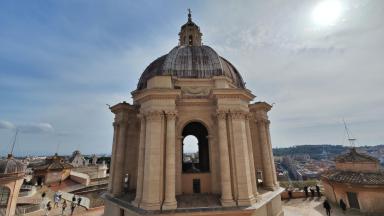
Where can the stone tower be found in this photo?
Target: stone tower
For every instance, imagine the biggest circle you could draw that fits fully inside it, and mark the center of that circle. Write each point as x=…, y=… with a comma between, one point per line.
x=192, y=91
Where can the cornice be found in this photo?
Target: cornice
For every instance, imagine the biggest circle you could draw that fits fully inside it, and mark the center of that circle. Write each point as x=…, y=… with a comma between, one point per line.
x=244, y=94
x=123, y=107
x=150, y=94
x=264, y=106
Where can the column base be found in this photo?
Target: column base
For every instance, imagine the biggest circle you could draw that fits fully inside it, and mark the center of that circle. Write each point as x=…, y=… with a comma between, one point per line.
x=246, y=202
x=150, y=206
x=136, y=203
x=227, y=203
x=170, y=205
x=257, y=197
x=271, y=188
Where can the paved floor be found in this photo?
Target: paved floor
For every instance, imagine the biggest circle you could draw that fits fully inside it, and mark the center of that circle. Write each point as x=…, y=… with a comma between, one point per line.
x=79, y=211
x=312, y=207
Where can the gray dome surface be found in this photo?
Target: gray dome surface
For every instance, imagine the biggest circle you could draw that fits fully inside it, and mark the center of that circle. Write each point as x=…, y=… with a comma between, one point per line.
x=11, y=166
x=191, y=62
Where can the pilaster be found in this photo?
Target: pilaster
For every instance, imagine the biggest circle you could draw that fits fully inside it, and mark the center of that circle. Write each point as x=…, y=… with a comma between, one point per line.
x=266, y=155
x=153, y=167
x=226, y=187
x=275, y=183
x=170, y=166
x=118, y=174
x=251, y=157
x=243, y=172
x=140, y=168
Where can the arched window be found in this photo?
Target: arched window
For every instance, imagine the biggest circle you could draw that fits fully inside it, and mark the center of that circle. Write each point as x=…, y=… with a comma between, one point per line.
x=195, y=148
x=190, y=40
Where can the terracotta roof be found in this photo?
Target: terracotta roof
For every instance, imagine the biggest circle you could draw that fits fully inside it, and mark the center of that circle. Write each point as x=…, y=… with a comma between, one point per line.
x=354, y=156
x=355, y=177
x=54, y=163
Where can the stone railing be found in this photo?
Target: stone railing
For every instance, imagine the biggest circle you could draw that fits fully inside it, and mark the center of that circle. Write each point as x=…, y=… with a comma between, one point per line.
x=24, y=210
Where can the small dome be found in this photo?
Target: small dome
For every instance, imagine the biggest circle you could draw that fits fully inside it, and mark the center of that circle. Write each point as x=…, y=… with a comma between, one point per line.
x=191, y=62
x=11, y=166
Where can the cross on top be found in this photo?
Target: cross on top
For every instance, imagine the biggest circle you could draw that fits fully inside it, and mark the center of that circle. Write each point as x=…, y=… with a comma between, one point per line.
x=189, y=14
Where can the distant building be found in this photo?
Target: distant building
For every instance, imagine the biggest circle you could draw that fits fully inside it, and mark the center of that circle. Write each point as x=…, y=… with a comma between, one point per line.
x=54, y=170
x=94, y=159
x=357, y=180
x=77, y=160
x=12, y=173
x=302, y=157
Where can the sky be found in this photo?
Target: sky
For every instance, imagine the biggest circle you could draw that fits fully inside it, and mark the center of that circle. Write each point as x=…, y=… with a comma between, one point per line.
x=61, y=62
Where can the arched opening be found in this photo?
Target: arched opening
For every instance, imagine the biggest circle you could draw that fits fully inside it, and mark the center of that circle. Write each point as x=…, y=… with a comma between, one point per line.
x=190, y=40
x=4, y=196
x=195, y=152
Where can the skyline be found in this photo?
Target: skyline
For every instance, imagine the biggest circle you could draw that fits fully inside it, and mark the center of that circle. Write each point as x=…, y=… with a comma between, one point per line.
x=62, y=62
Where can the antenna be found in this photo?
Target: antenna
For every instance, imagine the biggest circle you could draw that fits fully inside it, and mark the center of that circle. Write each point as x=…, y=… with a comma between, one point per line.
x=14, y=141
x=351, y=140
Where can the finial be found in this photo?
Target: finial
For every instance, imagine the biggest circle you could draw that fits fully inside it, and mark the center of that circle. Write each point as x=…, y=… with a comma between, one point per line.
x=189, y=15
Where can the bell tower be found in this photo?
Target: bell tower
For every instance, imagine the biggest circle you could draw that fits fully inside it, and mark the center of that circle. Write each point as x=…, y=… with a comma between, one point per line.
x=190, y=34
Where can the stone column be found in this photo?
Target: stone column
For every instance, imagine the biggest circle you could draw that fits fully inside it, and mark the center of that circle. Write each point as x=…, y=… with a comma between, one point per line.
x=179, y=144
x=118, y=175
x=213, y=164
x=226, y=187
x=140, y=168
x=266, y=156
x=243, y=172
x=152, y=166
x=251, y=158
x=271, y=154
x=112, y=168
x=170, y=166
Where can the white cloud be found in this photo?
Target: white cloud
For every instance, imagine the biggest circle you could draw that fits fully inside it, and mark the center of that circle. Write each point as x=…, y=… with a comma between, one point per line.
x=6, y=125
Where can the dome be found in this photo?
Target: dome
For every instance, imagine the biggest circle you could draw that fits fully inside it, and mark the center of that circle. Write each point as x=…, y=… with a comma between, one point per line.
x=191, y=62
x=11, y=166
x=191, y=59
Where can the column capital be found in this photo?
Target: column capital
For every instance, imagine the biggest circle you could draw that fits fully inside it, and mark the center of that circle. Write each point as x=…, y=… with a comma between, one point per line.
x=238, y=114
x=262, y=121
x=141, y=116
x=249, y=116
x=120, y=123
x=155, y=115
x=171, y=114
x=221, y=114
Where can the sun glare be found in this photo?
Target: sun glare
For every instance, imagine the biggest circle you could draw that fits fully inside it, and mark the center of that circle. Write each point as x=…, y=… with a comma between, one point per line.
x=327, y=12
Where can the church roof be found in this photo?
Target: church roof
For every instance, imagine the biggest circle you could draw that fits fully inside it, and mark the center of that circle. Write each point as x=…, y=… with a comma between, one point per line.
x=376, y=178
x=54, y=163
x=191, y=59
x=11, y=166
x=354, y=156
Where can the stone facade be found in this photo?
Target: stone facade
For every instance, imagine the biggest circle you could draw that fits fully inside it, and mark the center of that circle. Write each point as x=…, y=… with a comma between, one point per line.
x=358, y=181
x=200, y=97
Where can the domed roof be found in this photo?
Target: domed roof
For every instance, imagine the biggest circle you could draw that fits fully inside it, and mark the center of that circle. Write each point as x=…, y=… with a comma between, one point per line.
x=11, y=166
x=191, y=62
x=54, y=163
x=191, y=59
